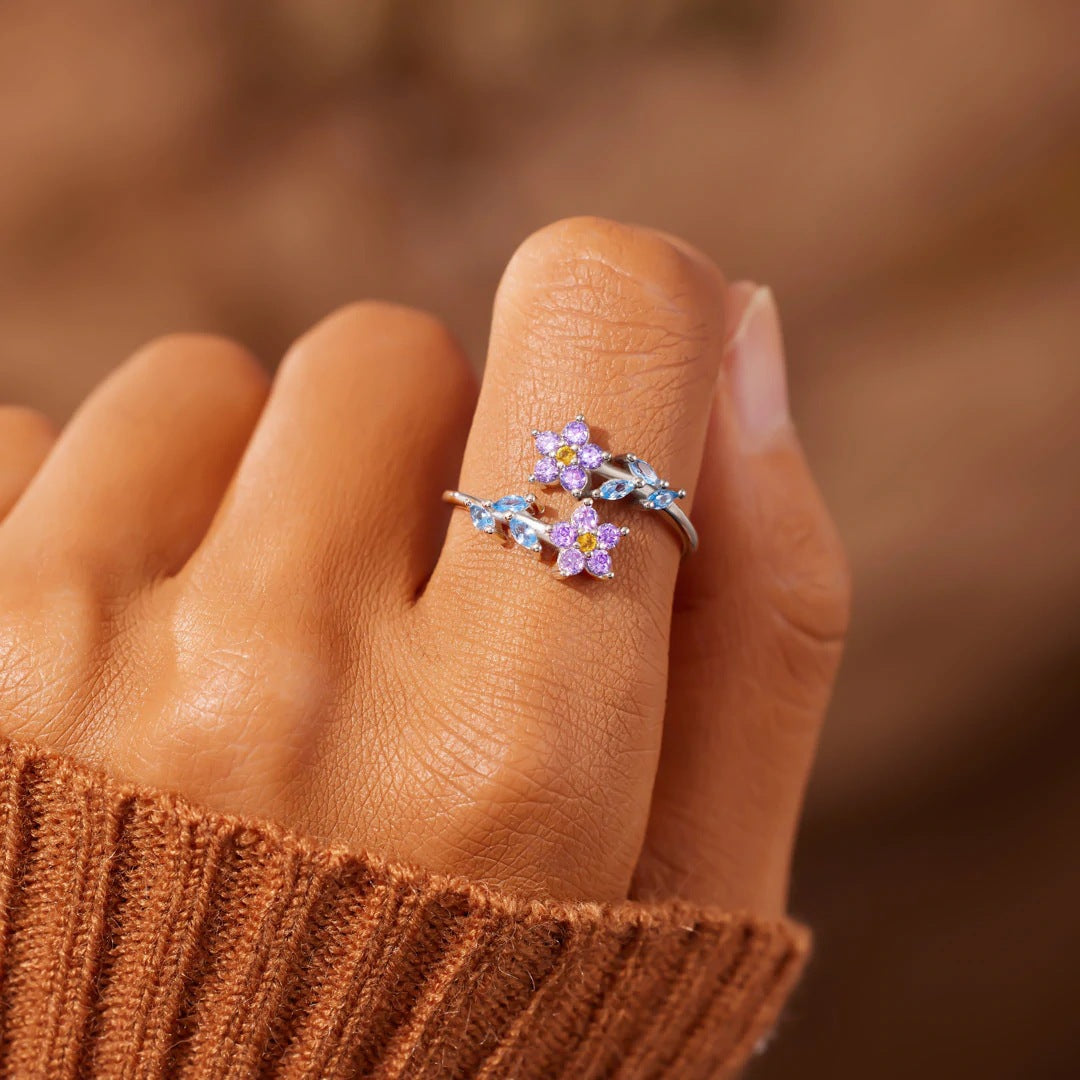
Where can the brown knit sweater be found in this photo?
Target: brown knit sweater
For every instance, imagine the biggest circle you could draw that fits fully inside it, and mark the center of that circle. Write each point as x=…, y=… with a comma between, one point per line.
x=142, y=936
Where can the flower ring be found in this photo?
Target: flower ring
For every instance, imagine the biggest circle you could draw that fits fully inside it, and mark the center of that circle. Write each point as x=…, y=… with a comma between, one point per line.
x=582, y=544
x=570, y=459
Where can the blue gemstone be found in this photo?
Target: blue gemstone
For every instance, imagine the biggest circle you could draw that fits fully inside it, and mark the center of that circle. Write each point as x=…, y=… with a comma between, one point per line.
x=524, y=534
x=510, y=504
x=615, y=489
x=643, y=471
x=482, y=518
x=660, y=500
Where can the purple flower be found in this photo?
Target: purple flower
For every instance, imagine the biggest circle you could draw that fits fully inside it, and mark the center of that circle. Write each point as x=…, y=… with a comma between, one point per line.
x=567, y=458
x=585, y=544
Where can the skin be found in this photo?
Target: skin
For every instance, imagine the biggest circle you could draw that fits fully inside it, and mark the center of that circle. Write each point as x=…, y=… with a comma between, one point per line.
x=251, y=593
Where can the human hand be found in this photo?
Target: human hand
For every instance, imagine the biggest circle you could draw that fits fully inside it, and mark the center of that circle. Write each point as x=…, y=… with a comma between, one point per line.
x=243, y=594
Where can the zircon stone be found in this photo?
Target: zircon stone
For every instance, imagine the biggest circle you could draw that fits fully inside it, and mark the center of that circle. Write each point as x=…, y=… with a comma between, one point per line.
x=608, y=535
x=546, y=471
x=524, y=534
x=660, y=500
x=643, y=471
x=563, y=534
x=547, y=442
x=573, y=479
x=510, y=504
x=566, y=455
x=585, y=519
x=615, y=489
x=587, y=542
x=576, y=433
x=598, y=564
x=591, y=456
x=570, y=562
x=482, y=518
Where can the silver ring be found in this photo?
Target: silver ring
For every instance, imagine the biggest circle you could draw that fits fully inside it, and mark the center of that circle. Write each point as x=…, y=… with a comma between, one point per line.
x=568, y=458
x=581, y=544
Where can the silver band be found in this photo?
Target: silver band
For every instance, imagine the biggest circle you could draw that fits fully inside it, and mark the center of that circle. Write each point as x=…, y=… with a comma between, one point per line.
x=645, y=493
x=503, y=517
x=583, y=544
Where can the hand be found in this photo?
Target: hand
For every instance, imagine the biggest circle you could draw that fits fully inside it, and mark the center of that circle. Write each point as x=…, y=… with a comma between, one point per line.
x=242, y=593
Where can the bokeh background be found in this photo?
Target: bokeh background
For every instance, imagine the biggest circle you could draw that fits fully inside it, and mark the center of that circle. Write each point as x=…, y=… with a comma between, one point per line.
x=907, y=178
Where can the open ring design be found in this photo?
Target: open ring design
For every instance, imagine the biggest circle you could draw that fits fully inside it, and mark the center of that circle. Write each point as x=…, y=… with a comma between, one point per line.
x=568, y=458
x=582, y=544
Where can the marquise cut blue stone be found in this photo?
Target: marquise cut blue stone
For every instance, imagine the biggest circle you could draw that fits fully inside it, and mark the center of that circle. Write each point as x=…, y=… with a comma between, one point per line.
x=482, y=518
x=614, y=489
x=643, y=471
x=510, y=504
x=660, y=500
x=524, y=534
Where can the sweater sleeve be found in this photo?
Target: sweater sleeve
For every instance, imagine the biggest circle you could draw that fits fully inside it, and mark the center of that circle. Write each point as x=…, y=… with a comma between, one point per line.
x=143, y=936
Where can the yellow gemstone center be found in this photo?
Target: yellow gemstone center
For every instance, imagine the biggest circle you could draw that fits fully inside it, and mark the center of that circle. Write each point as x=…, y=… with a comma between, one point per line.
x=566, y=455
x=587, y=542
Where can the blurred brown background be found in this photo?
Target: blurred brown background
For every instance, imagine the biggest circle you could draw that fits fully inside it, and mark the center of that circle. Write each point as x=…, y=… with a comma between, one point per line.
x=905, y=175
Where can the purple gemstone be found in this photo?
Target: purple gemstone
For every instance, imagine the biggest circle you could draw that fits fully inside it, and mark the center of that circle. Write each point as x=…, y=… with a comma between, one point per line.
x=591, y=456
x=574, y=478
x=585, y=519
x=608, y=535
x=547, y=442
x=563, y=534
x=546, y=471
x=571, y=562
x=576, y=433
x=598, y=563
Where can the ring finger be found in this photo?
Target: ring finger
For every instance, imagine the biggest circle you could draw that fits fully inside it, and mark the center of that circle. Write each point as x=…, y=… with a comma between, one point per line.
x=622, y=326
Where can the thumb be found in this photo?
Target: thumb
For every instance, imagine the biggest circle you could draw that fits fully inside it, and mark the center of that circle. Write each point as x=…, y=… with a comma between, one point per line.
x=760, y=615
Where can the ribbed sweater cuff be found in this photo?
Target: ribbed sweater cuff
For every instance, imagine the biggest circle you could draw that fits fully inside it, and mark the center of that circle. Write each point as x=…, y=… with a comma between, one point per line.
x=144, y=936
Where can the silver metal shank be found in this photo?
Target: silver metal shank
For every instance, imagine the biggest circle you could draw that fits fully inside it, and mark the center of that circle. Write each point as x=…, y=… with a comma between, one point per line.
x=614, y=470
x=520, y=524
x=459, y=498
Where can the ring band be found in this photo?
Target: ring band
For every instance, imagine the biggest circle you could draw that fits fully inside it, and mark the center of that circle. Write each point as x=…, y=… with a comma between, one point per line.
x=569, y=459
x=626, y=475
x=582, y=544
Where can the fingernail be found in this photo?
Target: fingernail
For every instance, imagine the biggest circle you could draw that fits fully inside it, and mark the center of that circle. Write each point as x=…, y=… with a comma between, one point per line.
x=758, y=375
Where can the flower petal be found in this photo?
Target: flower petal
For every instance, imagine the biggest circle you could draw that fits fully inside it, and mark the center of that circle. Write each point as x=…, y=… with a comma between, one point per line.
x=591, y=456
x=608, y=535
x=576, y=433
x=598, y=563
x=585, y=519
x=546, y=471
x=547, y=442
x=570, y=562
x=562, y=534
x=574, y=478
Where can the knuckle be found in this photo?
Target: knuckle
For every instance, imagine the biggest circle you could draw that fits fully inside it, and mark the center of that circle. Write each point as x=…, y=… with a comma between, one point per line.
x=189, y=358
x=374, y=322
x=22, y=424
x=237, y=687
x=420, y=346
x=56, y=654
x=593, y=289
x=242, y=707
x=630, y=252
